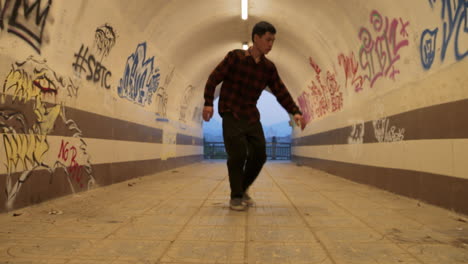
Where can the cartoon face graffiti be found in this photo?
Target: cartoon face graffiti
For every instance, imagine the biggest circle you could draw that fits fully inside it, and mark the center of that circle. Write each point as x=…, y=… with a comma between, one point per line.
x=25, y=137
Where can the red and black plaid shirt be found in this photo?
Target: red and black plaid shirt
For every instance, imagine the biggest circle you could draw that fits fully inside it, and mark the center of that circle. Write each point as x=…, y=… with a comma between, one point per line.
x=243, y=82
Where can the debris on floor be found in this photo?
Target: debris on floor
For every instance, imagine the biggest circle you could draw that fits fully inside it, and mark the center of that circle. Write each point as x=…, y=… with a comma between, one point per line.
x=55, y=212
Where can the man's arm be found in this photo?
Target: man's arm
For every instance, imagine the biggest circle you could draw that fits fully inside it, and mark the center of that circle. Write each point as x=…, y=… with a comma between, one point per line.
x=215, y=78
x=284, y=98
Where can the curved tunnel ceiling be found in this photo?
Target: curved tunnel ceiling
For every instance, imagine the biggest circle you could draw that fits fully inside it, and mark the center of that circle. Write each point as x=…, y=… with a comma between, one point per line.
x=195, y=35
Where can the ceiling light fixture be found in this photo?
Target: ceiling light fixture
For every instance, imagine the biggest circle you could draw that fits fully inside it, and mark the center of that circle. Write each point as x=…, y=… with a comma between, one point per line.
x=245, y=46
x=245, y=7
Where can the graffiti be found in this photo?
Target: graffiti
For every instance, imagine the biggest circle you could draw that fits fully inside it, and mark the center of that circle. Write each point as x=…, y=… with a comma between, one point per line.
x=105, y=39
x=25, y=20
x=377, y=57
x=87, y=63
x=324, y=97
x=350, y=67
x=74, y=170
x=161, y=98
x=26, y=145
x=305, y=105
x=383, y=133
x=186, y=103
x=454, y=27
x=357, y=133
x=197, y=115
x=140, y=80
x=169, y=143
x=356, y=138
x=314, y=66
x=428, y=47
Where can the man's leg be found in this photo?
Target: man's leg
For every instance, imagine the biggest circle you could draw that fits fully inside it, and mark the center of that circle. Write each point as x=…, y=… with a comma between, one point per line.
x=235, y=143
x=256, y=157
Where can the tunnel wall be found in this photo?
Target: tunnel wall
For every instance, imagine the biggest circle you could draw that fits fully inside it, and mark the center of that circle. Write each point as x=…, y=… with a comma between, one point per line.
x=391, y=109
x=86, y=101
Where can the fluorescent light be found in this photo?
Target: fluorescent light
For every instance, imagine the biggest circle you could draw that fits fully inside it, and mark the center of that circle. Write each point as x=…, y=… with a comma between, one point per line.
x=245, y=46
x=245, y=7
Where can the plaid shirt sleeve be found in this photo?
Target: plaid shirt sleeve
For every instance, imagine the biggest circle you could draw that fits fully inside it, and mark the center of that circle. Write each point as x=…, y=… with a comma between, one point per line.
x=216, y=77
x=282, y=94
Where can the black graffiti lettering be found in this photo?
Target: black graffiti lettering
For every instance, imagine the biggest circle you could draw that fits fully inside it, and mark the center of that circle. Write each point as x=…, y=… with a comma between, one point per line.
x=80, y=59
x=3, y=7
x=96, y=72
x=26, y=20
x=108, y=73
x=91, y=61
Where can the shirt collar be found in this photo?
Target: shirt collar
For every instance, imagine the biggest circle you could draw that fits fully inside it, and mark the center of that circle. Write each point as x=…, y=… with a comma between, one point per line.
x=247, y=54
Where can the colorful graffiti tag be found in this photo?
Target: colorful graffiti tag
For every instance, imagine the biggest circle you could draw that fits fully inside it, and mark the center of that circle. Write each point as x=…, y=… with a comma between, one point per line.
x=141, y=79
x=351, y=67
x=25, y=19
x=454, y=28
x=323, y=97
x=377, y=56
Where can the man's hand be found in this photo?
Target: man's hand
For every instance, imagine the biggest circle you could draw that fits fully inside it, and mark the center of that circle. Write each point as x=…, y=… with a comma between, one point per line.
x=207, y=113
x=299, y=121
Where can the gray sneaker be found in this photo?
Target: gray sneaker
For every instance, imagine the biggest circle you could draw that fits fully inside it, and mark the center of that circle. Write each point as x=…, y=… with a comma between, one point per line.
x=237, y=205
x=247, y=200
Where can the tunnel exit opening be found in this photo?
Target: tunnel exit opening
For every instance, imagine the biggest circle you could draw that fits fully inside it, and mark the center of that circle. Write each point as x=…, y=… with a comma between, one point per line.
x=276, y=126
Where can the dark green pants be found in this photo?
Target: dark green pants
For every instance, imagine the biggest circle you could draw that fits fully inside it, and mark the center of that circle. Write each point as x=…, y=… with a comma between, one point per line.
x=245, y=146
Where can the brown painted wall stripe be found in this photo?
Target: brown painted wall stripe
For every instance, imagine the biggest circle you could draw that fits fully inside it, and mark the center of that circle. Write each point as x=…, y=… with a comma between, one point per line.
x=188, y=140
x=40, y=186
x=441, y=190
x=444, y=121
x=92, y=125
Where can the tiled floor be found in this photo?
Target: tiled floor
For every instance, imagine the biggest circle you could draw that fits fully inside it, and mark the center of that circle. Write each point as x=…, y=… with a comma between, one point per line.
x=181, y=216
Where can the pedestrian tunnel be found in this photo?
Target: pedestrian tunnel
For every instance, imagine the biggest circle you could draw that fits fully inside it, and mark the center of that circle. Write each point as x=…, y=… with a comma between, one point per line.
x=99, y=92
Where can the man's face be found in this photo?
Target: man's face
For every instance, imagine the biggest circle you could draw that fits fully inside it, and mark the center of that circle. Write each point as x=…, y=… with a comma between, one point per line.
x=264, y=43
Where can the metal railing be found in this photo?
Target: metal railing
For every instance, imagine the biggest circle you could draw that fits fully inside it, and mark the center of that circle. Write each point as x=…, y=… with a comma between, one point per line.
x=274, y=150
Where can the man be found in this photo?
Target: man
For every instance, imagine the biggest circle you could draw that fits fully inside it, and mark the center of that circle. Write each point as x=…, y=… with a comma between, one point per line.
x=245, y=74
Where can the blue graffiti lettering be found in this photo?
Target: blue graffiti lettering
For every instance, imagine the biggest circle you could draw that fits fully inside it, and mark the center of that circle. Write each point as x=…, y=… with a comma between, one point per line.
x=453, y=17
x=454, y=29
x=428, y=47
x=140, y=80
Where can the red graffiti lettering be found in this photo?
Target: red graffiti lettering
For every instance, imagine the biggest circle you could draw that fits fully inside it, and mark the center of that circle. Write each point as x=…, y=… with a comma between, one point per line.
x=74, y=169
x=350, y=67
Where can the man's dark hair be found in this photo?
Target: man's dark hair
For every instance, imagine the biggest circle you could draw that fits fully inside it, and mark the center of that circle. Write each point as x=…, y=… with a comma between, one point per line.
x=261, y=28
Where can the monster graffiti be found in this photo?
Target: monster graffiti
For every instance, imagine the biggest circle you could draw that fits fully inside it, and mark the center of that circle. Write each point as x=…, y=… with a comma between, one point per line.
x=87, y=63
x=26, y=144
x=454, y=30
x=324, y=97
x=140, y=80
x=105, y=39
x=378, y=56
x=25, y=19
